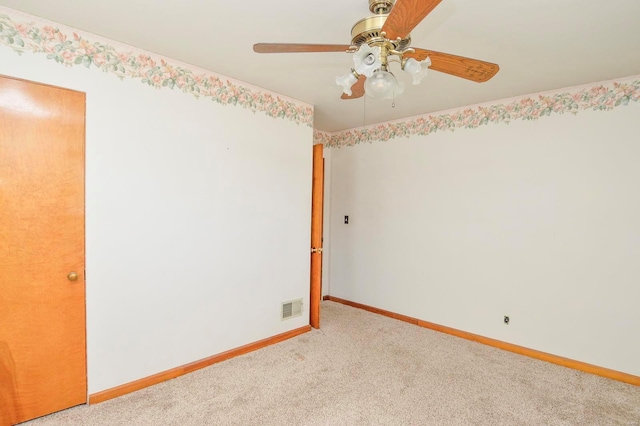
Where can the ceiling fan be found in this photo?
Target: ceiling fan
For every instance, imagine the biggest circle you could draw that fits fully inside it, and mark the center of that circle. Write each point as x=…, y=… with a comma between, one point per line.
x=383, y=38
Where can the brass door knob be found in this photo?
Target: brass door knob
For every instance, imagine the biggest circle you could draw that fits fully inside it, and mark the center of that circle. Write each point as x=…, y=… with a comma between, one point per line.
x=72, y=276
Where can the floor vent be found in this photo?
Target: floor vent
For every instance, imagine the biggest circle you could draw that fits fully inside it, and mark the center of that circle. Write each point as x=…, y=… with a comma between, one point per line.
x=291, y=309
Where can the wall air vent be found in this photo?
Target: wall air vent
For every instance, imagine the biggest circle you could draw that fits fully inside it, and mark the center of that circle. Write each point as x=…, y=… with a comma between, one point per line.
x=291, y=309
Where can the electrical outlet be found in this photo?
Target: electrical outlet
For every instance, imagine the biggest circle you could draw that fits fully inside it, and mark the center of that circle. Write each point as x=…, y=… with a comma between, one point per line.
x=506, y=320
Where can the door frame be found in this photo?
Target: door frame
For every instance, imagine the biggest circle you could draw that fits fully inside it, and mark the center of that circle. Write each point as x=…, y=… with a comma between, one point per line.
x=317, y=203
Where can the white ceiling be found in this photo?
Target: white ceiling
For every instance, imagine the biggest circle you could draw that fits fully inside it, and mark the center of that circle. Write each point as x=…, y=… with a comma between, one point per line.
x=540, y=45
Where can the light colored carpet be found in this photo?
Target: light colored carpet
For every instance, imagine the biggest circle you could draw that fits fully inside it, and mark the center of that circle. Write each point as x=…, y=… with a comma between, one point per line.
x=366, y=369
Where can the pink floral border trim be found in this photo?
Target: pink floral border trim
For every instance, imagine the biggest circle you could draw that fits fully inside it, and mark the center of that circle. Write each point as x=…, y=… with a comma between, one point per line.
x=320, y=137
x=597, y=98
x=69, y=48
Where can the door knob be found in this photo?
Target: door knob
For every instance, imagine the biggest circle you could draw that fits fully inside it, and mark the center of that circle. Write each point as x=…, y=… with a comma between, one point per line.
x=72, y=276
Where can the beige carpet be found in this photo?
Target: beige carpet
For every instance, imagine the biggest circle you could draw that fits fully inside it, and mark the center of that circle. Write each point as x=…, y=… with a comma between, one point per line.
x=366, y=369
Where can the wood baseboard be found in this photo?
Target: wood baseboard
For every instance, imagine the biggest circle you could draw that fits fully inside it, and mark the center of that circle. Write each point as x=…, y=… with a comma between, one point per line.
x=188, y=368
x=532, y=353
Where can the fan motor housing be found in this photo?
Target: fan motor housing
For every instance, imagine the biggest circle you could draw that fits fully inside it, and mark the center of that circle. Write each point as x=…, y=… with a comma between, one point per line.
x=367, y=30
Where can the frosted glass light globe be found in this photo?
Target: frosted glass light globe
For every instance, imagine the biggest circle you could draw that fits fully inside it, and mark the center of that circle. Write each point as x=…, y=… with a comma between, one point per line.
x=417, y=69
x=380, y=85
x=367, y=60
x=412, y=66
x=346, y=81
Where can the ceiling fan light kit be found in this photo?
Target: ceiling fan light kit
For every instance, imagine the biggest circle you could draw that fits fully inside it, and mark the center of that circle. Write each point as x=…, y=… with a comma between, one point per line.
x=383, y=85
x=367, y=60
x=378, y=40
x=418, y=69
x=346, y=81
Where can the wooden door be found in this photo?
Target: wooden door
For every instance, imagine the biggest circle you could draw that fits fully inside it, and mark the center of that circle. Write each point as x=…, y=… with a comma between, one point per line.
x=317, y=196
x=42, y=306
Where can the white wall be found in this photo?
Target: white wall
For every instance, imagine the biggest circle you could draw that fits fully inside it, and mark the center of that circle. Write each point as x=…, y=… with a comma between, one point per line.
x=197, y=222
x=538, y=220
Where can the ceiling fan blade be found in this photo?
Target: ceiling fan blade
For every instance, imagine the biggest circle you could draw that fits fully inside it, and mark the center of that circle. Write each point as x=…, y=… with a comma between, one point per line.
x=297, y=48
x=471, y=69
x=357, y=90
x=405, y=15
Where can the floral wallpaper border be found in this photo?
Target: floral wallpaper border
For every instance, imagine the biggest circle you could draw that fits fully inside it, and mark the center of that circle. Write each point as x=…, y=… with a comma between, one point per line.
x=602, y=97
x=26, y=33
x=320, y=137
